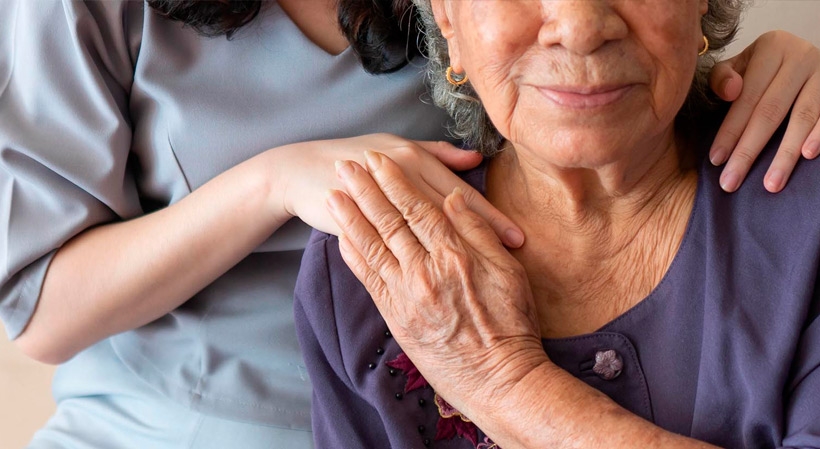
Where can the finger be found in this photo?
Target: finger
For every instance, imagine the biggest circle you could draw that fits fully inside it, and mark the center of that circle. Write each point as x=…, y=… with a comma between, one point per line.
x=766, y=118
x=365, y=273
x=469, y=225
x=740, y=62
x=394, y=234
x=451, y=156
x=773, y=107
x=443, y=182
x=363, y=238
x=803, y=119
x=725, y=81
x=757, y=79
x=426, y=222
x=812, y=146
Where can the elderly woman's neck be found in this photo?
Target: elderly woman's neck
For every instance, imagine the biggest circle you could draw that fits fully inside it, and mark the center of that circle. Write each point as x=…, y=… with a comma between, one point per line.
x=598, y=241
x=588, y=200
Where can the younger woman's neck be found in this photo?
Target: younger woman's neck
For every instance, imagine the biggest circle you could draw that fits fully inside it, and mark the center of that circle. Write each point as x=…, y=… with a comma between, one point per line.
x=318, y=20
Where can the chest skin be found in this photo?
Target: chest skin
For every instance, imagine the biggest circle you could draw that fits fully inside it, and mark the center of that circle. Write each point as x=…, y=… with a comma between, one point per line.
x=584, y=277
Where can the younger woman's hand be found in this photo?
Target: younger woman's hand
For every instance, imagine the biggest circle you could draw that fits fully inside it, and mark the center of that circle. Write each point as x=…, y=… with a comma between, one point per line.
x=778, y=72
x=306, y=171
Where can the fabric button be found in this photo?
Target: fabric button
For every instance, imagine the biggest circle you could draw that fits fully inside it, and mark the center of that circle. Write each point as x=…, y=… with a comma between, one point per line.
x=608, y=364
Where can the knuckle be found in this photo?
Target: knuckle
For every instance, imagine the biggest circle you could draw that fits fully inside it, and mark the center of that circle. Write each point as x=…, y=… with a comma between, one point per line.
x=374, y=253
x=772, y=36
x=781, y=37
x=347, y=222
x=750, y=96
x=744, y=156
x=806, y=50
x=419, y=212
x=470, y=195
x=425, y=287
x=771, y=112
x=372, y=281
x=813, y=95
x=789, y=152
x=475, y=228
x=460, y=261
x=804, y=116
x=389, y=225
x=732, y=133
x=406, y=152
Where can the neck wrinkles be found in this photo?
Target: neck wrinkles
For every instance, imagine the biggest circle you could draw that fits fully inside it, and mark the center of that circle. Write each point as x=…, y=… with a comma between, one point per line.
x=600, y=208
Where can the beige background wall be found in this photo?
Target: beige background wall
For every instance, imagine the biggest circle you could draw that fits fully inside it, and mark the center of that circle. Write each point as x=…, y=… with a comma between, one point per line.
x=801, y=17
x=25, y=401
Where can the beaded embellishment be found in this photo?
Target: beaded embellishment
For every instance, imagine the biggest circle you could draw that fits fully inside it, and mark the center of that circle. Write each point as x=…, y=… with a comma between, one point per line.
x=451, y=422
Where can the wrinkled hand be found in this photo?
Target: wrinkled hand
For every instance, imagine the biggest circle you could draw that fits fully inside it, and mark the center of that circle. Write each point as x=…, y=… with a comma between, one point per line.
x=309, y=173
x=456, y=301
x=777, y=71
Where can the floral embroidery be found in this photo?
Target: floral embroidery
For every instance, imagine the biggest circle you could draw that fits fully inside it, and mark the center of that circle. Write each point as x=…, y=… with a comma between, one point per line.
x=445, y=410
x=608, y=364
x=451, y=422
x=414, y=378
x=487, y=444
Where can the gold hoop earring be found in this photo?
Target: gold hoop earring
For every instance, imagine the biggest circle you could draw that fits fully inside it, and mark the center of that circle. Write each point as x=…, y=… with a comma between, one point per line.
x=455, y=82
x=705, y=46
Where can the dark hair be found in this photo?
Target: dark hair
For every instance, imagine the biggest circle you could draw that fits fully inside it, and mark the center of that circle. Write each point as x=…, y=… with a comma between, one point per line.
x=384, y=33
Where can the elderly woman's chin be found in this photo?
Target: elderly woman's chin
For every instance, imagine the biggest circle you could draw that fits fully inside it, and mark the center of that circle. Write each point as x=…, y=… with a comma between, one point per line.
x=589, y=140
x=590, y=134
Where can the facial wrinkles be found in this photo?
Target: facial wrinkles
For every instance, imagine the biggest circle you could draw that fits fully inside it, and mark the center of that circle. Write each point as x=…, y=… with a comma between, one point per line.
x=506, y=62
x=674, y=52
x=492, y=48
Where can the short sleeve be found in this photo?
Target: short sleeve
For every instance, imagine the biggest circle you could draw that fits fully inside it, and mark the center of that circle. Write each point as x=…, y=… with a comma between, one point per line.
x=66, y=69
x=340, y=416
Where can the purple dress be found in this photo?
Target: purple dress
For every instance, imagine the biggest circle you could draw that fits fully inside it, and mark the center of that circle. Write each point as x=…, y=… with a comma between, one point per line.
x=726, y=349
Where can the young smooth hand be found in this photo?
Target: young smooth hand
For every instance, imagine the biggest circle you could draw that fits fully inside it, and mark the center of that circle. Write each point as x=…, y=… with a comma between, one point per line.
x=777, y=73
x=306, y=171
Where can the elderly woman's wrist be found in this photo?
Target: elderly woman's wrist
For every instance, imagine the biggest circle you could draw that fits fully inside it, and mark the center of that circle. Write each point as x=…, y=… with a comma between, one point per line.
x=510, y=411
x=510, y=374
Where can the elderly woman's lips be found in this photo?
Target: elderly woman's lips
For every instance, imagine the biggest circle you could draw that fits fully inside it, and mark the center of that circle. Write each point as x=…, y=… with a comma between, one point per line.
x=582, y=98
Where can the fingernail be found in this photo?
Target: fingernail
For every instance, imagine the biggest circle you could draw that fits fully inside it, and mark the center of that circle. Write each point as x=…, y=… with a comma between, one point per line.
x=344, y=169
x=812, y=149
x=774, y=180
x=717, y=156
x=373, y=159
x=514, y=238
x=724, y=85
x=333, y=199
x=458, y=200
x=729, y=181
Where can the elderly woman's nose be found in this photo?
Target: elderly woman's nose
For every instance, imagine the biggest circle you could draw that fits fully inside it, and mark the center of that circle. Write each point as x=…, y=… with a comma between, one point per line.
x=580, y=26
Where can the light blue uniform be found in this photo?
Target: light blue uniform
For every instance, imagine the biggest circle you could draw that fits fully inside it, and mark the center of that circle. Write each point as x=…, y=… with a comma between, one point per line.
x=108, y=112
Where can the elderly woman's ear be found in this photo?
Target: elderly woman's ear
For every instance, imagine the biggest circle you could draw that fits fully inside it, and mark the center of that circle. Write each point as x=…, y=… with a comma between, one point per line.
x=442, y=12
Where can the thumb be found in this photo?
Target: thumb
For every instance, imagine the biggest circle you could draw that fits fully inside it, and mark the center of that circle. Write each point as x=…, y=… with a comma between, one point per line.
x=726, y=81
x=451, y=156
x=726, y=78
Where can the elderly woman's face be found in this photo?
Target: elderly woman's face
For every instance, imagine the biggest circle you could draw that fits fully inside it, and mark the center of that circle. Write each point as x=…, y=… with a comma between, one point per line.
x=589, y=79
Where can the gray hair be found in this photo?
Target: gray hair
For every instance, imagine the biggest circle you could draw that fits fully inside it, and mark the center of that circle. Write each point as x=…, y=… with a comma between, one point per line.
x=473, y=126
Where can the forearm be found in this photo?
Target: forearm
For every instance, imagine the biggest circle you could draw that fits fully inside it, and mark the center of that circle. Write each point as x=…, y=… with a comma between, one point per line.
x=551, y=408
x=120, y=276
